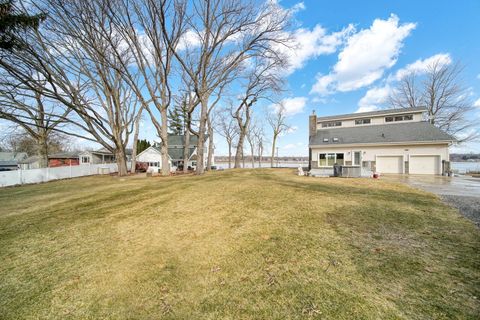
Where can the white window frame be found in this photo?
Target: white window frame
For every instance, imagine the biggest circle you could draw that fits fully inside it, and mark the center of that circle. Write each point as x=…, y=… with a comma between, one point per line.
x=353, y=158
x=334, y=159
x=84, y=157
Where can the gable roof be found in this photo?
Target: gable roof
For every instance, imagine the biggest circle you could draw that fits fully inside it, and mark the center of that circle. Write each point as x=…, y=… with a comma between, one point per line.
x=372, y=113
x=385, y=133
x=179, y=140
x=12, y=156
x=29, y=160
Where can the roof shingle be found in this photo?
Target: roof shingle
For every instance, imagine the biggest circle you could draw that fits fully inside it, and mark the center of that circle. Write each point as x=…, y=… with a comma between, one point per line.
x=386, y=133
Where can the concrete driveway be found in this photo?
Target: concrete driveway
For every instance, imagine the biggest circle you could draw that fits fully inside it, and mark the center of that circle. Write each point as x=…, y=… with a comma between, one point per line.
x=461, y=192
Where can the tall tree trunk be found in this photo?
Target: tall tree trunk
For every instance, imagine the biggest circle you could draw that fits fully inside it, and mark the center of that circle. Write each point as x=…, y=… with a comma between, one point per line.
x=239, y=152
x=133, y=168
x=229, y=154
x=186, y=149
x=121, y=161
x=201, y=137
x=273, y=150
x=260, y=153
x=210, y=145
x=251, y=154
x=164, y=145
x=42, y=151
x=243, y=159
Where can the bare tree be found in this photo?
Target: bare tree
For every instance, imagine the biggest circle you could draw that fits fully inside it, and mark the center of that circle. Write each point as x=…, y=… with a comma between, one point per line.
x=227, y=128
x=31, y=111
x=225, y=33
x=441, y=92
x=136, y=130
x=262, y=81
x=252, y=140
x=152, y=43
x=77, y=67
x=259, y=136
x=277, y=121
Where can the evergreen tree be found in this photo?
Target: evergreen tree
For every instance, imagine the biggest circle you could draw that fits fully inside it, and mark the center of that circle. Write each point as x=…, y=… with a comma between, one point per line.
x=178, y=116
x=13, y=20
x=142, y=145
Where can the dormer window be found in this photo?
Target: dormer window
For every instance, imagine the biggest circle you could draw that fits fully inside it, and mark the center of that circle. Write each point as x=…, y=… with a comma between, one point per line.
x=331, y=124
x=362, y=121
x=325, y=139
x=399, y=118
x=335, y=139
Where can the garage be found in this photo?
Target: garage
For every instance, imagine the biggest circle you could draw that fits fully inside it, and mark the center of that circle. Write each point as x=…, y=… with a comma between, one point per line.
x=389, y=164
x=424, y=164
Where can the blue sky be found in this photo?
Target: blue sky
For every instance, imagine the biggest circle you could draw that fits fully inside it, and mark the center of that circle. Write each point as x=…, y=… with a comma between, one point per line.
x=350, y=53
x=351, y=50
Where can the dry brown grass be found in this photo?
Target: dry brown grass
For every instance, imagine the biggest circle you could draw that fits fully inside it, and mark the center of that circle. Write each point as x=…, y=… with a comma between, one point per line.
x=234, y=244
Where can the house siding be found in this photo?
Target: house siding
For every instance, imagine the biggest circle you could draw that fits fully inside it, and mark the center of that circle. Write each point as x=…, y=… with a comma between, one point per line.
x=369, y=153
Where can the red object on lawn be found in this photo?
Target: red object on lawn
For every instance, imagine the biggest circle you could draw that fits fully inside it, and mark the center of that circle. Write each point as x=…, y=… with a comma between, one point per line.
x=375, y=176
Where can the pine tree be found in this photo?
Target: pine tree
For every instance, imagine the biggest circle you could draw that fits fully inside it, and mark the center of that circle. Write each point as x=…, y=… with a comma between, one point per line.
x=13, y=20
x=178, y=116
x=142, y=145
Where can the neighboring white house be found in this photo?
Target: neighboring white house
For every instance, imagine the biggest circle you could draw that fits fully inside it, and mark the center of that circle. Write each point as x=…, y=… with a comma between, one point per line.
x=396, y=141
x=153, y=158
x=100, y=156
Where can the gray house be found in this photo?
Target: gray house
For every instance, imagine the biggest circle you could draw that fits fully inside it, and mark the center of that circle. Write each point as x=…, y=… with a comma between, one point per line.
x=10, y=160
x=100, y=156
x=176, y=146
x=397, y=141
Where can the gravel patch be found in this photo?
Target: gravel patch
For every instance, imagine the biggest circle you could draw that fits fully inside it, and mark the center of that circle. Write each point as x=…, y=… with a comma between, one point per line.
x=468, y=206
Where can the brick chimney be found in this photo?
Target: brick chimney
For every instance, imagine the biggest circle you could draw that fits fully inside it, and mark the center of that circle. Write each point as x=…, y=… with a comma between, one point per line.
x=312, y=125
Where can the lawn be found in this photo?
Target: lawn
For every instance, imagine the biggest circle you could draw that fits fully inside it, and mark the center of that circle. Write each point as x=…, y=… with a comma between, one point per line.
x=261, y=244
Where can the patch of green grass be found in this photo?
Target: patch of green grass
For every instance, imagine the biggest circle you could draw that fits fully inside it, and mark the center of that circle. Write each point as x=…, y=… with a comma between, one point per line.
x=234, y=245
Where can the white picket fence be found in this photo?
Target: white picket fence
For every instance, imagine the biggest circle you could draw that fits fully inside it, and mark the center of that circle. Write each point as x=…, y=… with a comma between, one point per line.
x=11, y=178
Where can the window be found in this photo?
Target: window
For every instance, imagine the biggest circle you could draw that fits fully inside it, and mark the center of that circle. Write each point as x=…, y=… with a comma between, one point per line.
x=85, y=159
x=331, y=124
x=356, y=158
x=399, y=118
x=362, y=121
x=329, y=159
x=325, y=139
x=335, y=139
x=339, y=159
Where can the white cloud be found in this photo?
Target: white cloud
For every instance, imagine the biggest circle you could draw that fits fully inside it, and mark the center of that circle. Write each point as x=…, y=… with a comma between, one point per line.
x=293, y=105
x=309, y=44
x=477, y=103
x=190, y=39
x=365, y=57
x=421, y=66
x=374, y=97
x=377, y=96
x=298, y=7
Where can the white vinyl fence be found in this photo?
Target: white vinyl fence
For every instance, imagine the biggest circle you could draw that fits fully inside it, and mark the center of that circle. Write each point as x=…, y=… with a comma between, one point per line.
x=11, y=178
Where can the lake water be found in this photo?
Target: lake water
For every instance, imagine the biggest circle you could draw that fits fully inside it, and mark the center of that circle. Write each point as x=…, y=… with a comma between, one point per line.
x=281, y=164
x=460, y=167
x=463, y=167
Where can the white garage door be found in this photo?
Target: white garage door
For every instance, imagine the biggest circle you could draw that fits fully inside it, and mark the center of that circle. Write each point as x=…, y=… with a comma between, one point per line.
x=424, y=164
x=390, y=164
